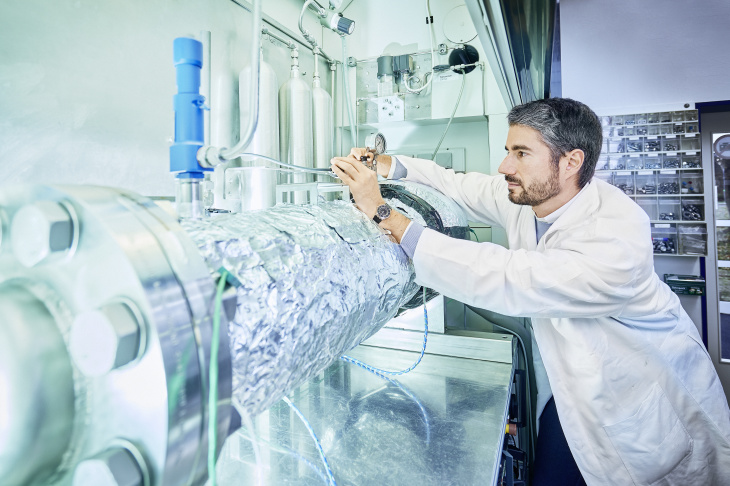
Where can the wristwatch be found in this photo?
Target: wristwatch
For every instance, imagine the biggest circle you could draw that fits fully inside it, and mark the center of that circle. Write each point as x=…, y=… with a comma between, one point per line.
x=383, y=212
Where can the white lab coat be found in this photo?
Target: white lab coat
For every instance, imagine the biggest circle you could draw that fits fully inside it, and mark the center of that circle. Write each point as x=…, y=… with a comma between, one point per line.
x=637, y=394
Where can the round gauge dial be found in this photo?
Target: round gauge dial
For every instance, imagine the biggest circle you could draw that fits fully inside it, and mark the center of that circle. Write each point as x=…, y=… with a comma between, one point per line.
x=722, y=147
x=375, y=143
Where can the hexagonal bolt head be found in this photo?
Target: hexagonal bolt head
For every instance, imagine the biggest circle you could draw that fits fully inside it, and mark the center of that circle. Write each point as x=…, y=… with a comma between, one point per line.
x=39, y=230
x=105, y=339
x=114, y=467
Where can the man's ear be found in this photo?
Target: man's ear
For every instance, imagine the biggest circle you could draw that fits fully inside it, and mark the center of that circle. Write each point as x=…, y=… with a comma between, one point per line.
x=575, y=161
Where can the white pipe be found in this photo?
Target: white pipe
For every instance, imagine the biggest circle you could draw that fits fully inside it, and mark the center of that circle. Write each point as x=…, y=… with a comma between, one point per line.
x=253, y=120
x=207, y=89
x=347, y=92
x=333, y=80
x=321, y=12
x=307, y=35
x=406, y=79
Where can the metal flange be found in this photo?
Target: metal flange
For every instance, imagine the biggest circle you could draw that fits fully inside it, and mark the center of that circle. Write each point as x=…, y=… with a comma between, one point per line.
x=130, y=300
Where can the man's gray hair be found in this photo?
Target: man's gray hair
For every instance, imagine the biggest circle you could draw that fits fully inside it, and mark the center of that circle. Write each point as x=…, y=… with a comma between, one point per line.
x=564, y=125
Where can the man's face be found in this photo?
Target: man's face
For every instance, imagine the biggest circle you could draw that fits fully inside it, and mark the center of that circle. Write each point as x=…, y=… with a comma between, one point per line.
x=528, y=168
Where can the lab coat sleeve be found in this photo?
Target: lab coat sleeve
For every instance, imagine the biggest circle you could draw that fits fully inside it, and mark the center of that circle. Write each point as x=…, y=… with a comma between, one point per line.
x=587, y=277
x=482, y=197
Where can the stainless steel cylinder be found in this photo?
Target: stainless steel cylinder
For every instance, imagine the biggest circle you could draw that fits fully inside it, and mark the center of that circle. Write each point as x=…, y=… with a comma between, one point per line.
x=323, y=128
x=266, y=137
x=255, y=187
x=295, y=125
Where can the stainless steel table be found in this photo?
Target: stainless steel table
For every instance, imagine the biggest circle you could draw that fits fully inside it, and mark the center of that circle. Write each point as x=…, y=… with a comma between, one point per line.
x=442, y=423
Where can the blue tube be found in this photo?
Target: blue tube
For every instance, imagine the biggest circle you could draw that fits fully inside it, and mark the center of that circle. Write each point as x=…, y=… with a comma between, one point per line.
x=189, y=105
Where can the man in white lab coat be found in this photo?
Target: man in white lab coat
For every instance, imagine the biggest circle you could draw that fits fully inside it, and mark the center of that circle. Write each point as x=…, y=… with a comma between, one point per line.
x=636, y=392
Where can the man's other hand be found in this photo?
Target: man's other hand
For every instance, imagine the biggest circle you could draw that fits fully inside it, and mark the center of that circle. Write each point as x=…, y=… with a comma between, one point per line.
x=362, y=181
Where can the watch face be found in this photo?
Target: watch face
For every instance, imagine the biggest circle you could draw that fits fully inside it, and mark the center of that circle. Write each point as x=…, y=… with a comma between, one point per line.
x=383, y=211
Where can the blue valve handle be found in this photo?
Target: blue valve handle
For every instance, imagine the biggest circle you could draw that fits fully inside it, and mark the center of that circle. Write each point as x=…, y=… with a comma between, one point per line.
x=189, y=106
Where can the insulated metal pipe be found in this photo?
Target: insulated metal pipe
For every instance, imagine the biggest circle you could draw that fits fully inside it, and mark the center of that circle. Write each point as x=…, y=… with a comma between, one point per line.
x=110, y=328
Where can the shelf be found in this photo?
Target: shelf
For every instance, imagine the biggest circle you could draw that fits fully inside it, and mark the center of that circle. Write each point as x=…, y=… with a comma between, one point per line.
x=676, y=221
x=649, y=124
x=671, y=153
x=700, y=194
x=418, y=123
x=675, y=255
x=642, y=170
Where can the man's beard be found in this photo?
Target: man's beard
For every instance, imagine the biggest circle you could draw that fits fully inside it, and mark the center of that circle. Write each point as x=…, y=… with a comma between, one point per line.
x=536, y=193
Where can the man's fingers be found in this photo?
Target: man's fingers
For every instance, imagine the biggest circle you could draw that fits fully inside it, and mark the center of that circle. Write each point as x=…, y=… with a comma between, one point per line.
x=356, y=152
x=342, y=174
x=350, y=166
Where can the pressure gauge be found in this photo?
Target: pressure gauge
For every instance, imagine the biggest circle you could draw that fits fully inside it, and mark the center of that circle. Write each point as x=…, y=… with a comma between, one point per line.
x=721, y=146
x=375, y=143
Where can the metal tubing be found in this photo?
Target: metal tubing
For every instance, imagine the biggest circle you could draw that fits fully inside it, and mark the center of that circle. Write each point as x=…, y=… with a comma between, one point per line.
x=290, y=44
x=307, y=35
x=351, y=118
x=287, y=43
x=281, y=28
x=247, y=134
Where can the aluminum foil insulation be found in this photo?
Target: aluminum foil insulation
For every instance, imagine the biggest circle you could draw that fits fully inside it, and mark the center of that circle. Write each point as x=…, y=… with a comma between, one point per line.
x=451, y=214
x=315, y=282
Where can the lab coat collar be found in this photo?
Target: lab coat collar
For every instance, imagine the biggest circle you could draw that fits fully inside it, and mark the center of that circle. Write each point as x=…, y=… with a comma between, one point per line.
x=583, y=204
x=552, y=217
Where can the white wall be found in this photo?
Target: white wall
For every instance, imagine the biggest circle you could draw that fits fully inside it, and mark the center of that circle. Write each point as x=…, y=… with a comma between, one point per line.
x=629, y=56
x=86, y=86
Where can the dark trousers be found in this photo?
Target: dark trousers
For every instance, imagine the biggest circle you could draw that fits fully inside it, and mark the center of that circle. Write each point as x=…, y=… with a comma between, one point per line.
x=554, y=463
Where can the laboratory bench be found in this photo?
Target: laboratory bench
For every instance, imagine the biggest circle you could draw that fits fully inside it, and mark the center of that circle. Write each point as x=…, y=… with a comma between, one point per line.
x=442, y=423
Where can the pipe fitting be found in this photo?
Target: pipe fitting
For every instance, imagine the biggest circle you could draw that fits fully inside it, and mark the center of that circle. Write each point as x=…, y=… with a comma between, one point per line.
x=209, y=157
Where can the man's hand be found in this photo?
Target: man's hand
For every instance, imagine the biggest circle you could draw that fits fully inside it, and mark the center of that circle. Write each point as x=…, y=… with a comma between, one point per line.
x=365, y=189
x=384, y=161
x=362, y=181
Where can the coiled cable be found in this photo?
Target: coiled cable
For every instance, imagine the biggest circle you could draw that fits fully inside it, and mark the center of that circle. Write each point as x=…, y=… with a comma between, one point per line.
x=382, y=374
x=309, y=428
x=410, y=368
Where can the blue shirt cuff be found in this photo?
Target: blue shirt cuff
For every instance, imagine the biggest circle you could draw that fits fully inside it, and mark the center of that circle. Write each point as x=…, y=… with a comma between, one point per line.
x=410, y=238
x=399, y=171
